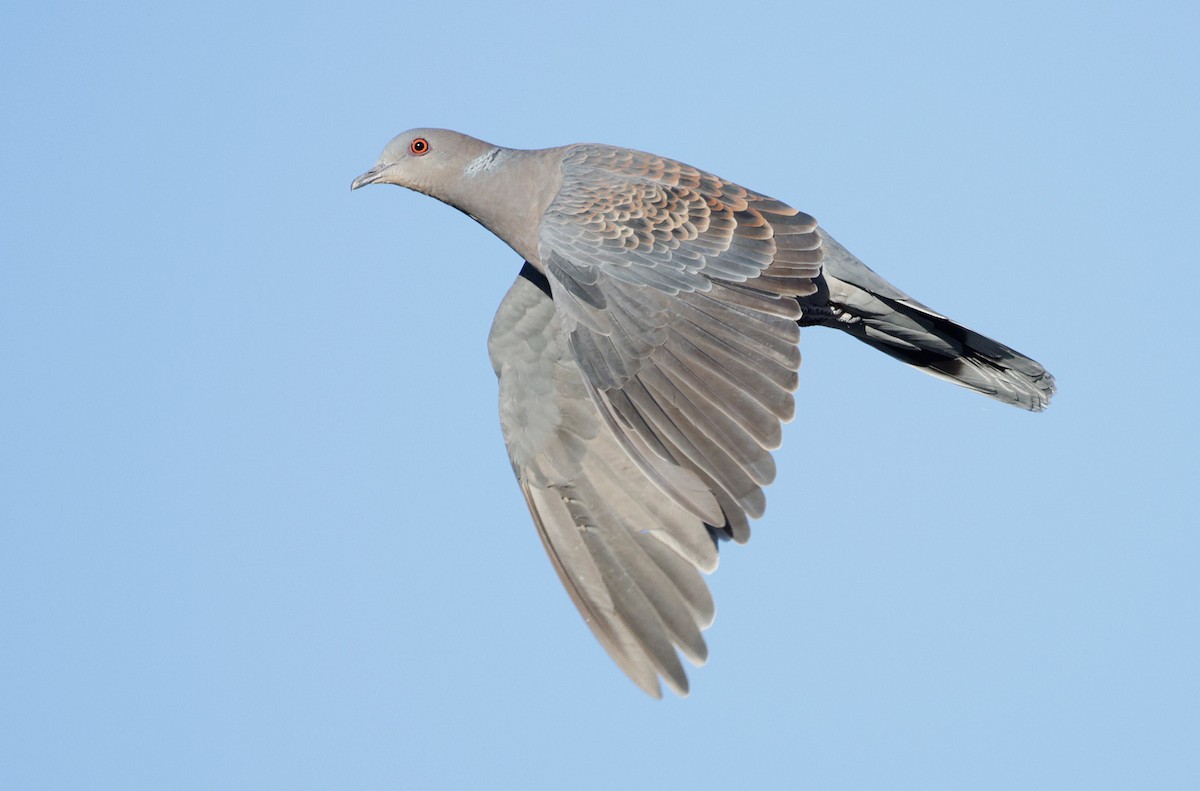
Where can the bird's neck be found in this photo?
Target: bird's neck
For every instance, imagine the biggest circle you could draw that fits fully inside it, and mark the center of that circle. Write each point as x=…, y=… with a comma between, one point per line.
x=507, y=191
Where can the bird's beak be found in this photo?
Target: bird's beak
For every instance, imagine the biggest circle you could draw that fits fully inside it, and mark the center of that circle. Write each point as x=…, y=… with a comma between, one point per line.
x=370, y=177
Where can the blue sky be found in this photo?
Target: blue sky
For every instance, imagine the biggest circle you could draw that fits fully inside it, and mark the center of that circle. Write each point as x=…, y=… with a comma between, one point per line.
x=257, y=526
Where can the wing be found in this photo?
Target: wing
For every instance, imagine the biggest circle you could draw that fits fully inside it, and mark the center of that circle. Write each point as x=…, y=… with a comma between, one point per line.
x=678, y=294
x=629, y=557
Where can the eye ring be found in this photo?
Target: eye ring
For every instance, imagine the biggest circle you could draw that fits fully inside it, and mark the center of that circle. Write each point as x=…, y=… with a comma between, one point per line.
x=419, y=146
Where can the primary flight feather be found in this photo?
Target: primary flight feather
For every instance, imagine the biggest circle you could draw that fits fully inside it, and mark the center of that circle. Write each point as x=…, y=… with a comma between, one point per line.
x=647, y=355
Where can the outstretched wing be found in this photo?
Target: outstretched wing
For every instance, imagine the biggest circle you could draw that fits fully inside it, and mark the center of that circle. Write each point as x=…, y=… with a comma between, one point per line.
x=640, y=406
x=629, y=557
x=678, y=293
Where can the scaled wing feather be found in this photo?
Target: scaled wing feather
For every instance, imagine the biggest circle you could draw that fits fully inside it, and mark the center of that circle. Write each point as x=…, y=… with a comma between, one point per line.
x=678, y=292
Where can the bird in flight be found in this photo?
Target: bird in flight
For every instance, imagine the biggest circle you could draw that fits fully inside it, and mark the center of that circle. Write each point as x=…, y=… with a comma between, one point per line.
x=647, y=355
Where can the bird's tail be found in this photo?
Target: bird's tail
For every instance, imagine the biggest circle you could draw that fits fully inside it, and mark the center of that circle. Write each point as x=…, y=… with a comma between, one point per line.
x=854, y=299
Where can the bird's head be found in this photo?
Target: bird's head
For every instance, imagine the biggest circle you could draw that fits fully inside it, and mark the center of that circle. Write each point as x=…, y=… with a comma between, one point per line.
x=428, y=161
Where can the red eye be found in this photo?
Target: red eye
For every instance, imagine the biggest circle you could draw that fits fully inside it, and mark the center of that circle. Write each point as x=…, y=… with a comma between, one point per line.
x=419, y=146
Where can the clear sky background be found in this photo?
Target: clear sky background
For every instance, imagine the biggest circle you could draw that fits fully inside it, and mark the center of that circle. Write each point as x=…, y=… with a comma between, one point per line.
x=258, y=526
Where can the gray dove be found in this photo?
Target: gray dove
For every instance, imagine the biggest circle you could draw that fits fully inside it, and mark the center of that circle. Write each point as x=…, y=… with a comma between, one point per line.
x=647, y=355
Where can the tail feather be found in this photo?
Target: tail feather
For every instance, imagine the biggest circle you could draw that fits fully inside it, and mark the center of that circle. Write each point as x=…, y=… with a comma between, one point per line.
x=856, y=300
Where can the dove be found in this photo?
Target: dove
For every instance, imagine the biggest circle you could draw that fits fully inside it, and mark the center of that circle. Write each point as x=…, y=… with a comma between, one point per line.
x=647, y=355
